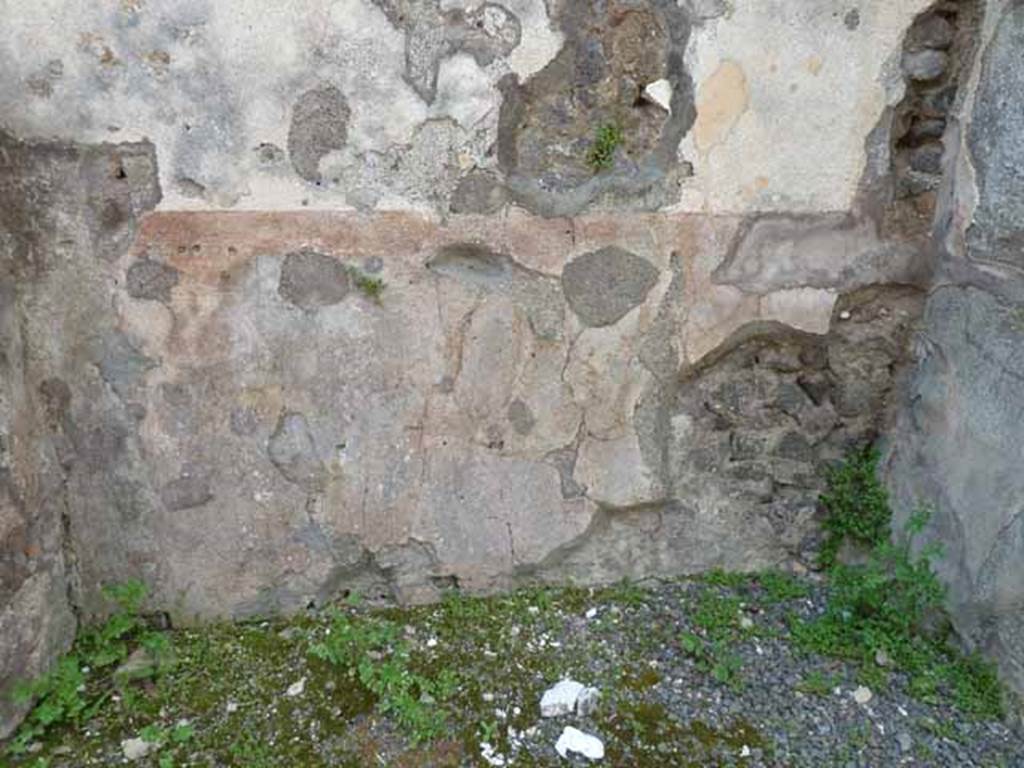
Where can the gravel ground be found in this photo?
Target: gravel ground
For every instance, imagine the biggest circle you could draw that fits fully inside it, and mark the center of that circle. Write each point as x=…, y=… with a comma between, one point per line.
x=690, y=673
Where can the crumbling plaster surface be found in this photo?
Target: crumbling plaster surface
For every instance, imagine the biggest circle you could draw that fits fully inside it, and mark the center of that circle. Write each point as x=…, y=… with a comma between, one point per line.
x=785, y=93
x=261, y=433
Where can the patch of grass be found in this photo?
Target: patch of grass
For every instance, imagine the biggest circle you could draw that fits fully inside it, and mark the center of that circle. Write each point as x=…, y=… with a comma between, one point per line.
x=817, y=683
x=728, y=579
x=75, y=689
x=247, y=750
x=692, y=645
x=601, y=156
x=718, y=615
x=372, y=649
x=727, y=668
x=857, y=505
x=627, y=593
x=780, y=587
x=887, y=603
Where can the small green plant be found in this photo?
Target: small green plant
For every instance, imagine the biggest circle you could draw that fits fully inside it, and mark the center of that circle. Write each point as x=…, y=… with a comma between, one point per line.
x=371, y=287
x=628, y=593
x=780, y=587
x=601, y=156
x=885, y=605
x=248, y=752
x=817, y=683
x=729, y=579
x=857, y=505
x=726, y=669
x=73, y=690
x=691, y=645
x=1017, y=319
x=373, y=650
x=488, y=730
x=718, y=616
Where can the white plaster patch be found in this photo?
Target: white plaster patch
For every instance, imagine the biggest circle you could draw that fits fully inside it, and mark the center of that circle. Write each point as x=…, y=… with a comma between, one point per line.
x=806, y=309
x=540, y=41
x=815, y=90
x=465, y=93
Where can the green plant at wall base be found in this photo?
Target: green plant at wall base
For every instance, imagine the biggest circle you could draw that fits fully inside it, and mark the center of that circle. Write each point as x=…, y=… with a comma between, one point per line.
x=887, y=603
x=857, y=505
x=373, y=650
x=602, y=152
x=72, y=692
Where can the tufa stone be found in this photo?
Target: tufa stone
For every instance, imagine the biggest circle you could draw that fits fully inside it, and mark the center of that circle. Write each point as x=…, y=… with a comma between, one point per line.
x=925, y=65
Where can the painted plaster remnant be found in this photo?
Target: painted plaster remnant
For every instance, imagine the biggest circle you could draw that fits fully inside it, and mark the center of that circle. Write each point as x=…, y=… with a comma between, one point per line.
x=196, y=78
x=721, y=99
x=797, y=61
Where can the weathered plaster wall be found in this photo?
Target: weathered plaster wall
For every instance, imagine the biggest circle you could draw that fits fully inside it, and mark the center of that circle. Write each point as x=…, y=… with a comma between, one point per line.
x=410, y=94
x=570, y=374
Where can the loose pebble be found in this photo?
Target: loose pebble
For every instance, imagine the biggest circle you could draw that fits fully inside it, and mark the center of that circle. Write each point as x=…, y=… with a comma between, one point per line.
x=136, y=749
x=862, y=695
x=296, y=688
x=578, y=742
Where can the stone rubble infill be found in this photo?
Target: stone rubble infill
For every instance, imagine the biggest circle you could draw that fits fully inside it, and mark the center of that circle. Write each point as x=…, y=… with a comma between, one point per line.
x=578, y=742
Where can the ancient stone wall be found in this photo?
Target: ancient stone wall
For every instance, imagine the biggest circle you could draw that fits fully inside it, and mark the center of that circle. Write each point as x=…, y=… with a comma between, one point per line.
x=402, y=296
x=62, y=208
x=959, y=443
